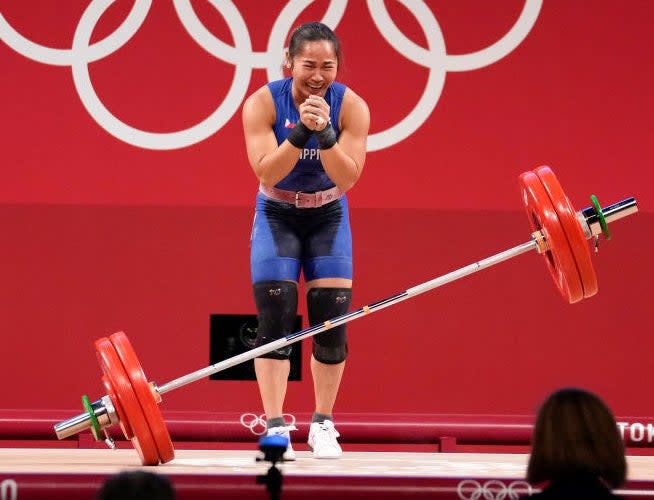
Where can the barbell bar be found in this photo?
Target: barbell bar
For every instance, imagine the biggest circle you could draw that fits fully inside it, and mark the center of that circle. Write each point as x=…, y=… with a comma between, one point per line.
x=559, y=234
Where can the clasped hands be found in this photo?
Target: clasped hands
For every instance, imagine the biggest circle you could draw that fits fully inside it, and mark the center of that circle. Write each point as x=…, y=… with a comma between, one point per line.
x=314, y=113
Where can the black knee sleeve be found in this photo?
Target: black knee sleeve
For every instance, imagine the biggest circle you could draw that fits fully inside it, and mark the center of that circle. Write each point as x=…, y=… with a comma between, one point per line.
x=276, y=303
x=329, y=347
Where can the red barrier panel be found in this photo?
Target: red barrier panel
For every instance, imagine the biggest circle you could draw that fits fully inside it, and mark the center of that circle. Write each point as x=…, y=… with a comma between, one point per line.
x=370, y=428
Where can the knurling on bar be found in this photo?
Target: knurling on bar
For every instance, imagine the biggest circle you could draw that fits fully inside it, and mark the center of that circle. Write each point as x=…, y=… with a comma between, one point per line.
x=345, y=318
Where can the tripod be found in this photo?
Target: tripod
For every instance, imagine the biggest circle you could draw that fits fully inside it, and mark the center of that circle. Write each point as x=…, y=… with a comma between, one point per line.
x=273, y=448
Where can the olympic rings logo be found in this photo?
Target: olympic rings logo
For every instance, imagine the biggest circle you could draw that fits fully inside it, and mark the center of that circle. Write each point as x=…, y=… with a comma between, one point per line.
x=244, y=59
x=494, y=489
x=8, y=490
x=257, y=423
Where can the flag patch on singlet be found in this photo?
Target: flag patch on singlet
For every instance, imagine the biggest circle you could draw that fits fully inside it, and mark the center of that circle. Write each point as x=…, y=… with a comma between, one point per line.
x=288, y=124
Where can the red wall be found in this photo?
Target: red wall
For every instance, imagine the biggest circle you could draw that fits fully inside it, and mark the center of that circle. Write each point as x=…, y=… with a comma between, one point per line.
x=104, y=232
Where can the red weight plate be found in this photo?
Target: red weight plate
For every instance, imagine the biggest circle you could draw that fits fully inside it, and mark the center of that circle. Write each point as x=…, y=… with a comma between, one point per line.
x=114, y=371
x=558, y=257
x=122, y=418
x=572, y=228
x=145, y=396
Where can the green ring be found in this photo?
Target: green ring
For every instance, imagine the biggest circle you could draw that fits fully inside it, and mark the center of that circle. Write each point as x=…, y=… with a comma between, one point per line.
x=600, y=216
x=95, y=425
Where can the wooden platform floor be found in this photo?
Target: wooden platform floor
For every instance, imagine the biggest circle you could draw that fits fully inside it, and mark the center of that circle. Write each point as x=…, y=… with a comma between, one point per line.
x=30, y=460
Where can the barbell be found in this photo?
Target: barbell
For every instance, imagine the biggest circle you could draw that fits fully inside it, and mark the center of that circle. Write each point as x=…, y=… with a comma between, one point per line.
x=559, y=234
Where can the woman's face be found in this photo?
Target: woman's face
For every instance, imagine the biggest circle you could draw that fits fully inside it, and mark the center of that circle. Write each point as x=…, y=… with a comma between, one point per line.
x=313, y=69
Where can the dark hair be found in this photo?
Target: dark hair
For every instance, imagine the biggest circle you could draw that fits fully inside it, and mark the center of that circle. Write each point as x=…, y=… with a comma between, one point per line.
x=136, y=484
x=313, y=32
x=576, y=433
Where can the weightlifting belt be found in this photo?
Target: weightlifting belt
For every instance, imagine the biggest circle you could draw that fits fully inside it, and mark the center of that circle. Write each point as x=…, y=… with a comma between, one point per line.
x=300, y=199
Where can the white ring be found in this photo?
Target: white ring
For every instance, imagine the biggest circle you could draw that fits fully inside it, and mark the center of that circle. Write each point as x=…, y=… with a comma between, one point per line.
x=157, y=140
x=258, y=423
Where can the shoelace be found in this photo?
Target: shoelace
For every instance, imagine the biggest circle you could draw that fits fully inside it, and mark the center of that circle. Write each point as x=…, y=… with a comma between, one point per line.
x=329, y=433
x=284, y=430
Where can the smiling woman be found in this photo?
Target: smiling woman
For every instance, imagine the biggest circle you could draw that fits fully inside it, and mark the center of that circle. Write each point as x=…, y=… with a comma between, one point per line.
x=306, y=142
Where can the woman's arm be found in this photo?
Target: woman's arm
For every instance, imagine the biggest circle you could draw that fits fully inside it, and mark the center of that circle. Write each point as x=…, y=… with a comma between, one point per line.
x=270, y=162
x=344, y=161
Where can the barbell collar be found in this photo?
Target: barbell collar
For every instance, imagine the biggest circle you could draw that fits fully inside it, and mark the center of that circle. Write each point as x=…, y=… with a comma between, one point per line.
x=103, y=410
x=591, y=222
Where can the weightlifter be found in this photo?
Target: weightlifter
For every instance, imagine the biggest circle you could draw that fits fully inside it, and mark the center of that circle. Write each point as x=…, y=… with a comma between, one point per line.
x=306, y=142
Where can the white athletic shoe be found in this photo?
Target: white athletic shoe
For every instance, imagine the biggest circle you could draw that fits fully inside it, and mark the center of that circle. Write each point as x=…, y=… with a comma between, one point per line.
x=289, y=454
x=322, y=440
